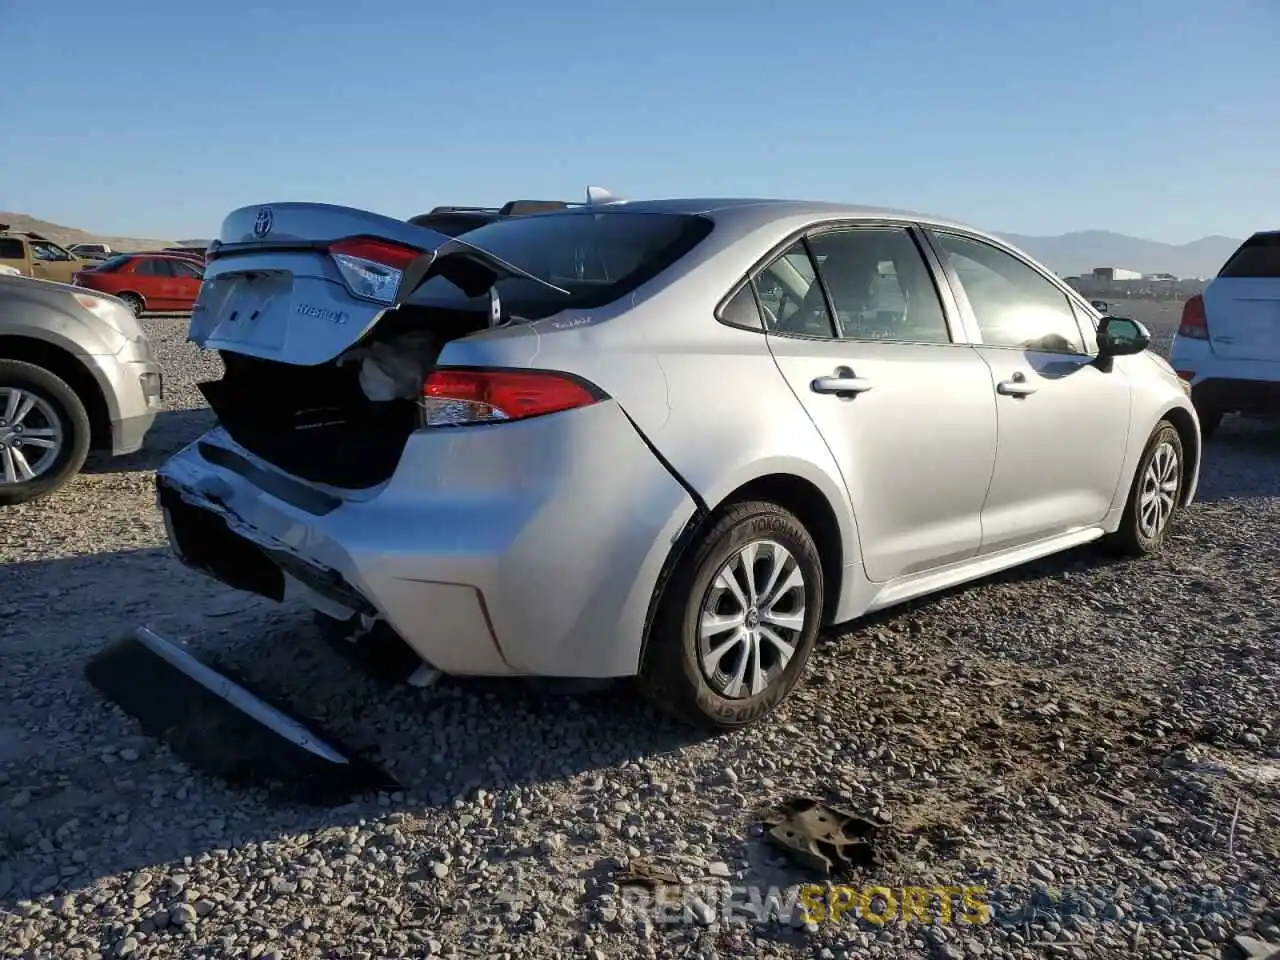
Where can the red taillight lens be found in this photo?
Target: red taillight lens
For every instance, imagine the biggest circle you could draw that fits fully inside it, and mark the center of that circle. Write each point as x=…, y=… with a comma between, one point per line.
x=457, y=396
x=394, y=255
x=1194, y=322
x=372, y=268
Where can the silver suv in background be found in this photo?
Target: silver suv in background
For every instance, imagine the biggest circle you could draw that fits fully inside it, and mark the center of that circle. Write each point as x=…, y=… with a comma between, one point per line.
x=76, y=374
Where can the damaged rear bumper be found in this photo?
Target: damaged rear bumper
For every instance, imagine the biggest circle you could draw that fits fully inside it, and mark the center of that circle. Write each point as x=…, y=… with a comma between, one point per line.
x=529, y=549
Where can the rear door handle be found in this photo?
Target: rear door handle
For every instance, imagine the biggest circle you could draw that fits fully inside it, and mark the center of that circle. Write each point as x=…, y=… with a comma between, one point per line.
x=1015, y=386
x=842, y=383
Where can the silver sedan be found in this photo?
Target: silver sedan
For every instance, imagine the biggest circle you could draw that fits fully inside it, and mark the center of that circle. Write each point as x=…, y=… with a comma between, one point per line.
x=663, y=439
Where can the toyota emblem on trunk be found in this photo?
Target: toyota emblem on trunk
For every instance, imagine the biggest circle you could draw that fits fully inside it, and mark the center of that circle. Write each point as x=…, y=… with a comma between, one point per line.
x=262, y=224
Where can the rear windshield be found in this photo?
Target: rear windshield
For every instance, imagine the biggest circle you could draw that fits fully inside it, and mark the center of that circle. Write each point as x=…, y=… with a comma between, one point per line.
x=1259, y=256
x=111, y=264
x=598, y=257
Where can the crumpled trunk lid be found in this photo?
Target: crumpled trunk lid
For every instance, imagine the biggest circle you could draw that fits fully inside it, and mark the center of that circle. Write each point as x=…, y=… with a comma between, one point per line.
x=273, y=289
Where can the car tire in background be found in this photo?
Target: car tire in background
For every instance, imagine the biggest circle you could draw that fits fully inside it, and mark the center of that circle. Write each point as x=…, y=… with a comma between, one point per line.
x=714, y=625
x=134, y=302
x=50, y=410
x=1154, y=496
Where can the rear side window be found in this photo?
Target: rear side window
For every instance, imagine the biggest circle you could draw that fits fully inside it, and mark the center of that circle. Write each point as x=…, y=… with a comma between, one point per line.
x=597, y=257
x=879, y=285
x=11, y=249
x=1258, y=257
x=743, y=310
x=153, y=268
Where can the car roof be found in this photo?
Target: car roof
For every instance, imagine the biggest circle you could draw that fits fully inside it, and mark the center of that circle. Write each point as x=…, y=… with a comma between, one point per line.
x=745, y=213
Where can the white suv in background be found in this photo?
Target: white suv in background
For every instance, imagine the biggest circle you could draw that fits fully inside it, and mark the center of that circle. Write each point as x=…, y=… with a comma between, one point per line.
x=91, y=251
x=1228, y=345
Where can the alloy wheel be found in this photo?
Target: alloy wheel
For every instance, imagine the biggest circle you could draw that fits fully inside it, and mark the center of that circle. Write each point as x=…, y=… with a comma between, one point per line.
x=31, y=435
x=1157, y=500
x=751, y=619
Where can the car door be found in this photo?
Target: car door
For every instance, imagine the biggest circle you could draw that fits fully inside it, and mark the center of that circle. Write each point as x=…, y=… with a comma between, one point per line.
x=155, y=282
x=1063, y=420
x=857, y=327
x=52, y=262
x=187, y=278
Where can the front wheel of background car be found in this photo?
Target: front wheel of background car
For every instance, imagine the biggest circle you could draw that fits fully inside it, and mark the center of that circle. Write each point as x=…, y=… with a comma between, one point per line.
x=44, y=432
x=1154, y=497
x=737, y=620
x=134, y=303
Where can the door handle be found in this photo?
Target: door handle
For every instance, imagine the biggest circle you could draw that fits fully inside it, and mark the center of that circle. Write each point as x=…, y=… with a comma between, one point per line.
x=842, y=383
x=1015, y=386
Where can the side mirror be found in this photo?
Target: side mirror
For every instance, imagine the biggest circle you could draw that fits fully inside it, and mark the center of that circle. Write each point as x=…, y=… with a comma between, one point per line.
x=1101, y=306
x=1121, y=337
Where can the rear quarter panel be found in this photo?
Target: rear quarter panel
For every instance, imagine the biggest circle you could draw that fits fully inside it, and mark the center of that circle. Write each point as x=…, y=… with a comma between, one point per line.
x=709, y=397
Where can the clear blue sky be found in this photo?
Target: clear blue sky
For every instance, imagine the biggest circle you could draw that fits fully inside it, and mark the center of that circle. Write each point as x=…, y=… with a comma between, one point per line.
x=1159, y=118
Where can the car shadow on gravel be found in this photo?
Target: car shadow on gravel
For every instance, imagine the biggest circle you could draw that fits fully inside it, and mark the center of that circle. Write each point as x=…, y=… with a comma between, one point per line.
x=1241, y=462
x=79, y=763
x=172, y=431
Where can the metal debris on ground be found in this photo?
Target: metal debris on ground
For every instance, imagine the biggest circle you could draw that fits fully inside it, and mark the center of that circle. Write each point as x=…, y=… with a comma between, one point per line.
x=829, y=839
x=224, y=729
x=639, y=871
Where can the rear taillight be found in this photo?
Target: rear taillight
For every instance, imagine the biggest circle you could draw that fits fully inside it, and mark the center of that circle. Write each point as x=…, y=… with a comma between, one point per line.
x=1194, y=323
x=459, y=396
x=372, y=268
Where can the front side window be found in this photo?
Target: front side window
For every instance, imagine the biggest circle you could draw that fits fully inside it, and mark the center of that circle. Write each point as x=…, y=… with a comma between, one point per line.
x=1014, y=305
x=48, y=252
x=880, y=285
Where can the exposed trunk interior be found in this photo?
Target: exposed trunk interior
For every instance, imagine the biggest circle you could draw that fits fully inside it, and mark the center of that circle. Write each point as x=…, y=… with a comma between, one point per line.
x=317, y=422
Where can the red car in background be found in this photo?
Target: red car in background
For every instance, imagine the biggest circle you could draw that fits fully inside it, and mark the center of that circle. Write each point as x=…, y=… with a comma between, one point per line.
x=151, y=282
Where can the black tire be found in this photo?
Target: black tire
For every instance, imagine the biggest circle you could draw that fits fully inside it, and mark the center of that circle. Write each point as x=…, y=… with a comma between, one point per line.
x=672, y=675
x=1132, y=538
x=134, y=302
x=72, y=418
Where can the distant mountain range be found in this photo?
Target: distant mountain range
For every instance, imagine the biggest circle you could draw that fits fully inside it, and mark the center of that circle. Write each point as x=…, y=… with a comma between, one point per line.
x=1075, y=253
x=65, y=236
x=1068, y=254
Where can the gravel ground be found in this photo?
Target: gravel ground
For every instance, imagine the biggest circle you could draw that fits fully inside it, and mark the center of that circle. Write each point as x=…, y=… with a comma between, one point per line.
x=1109, y=731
